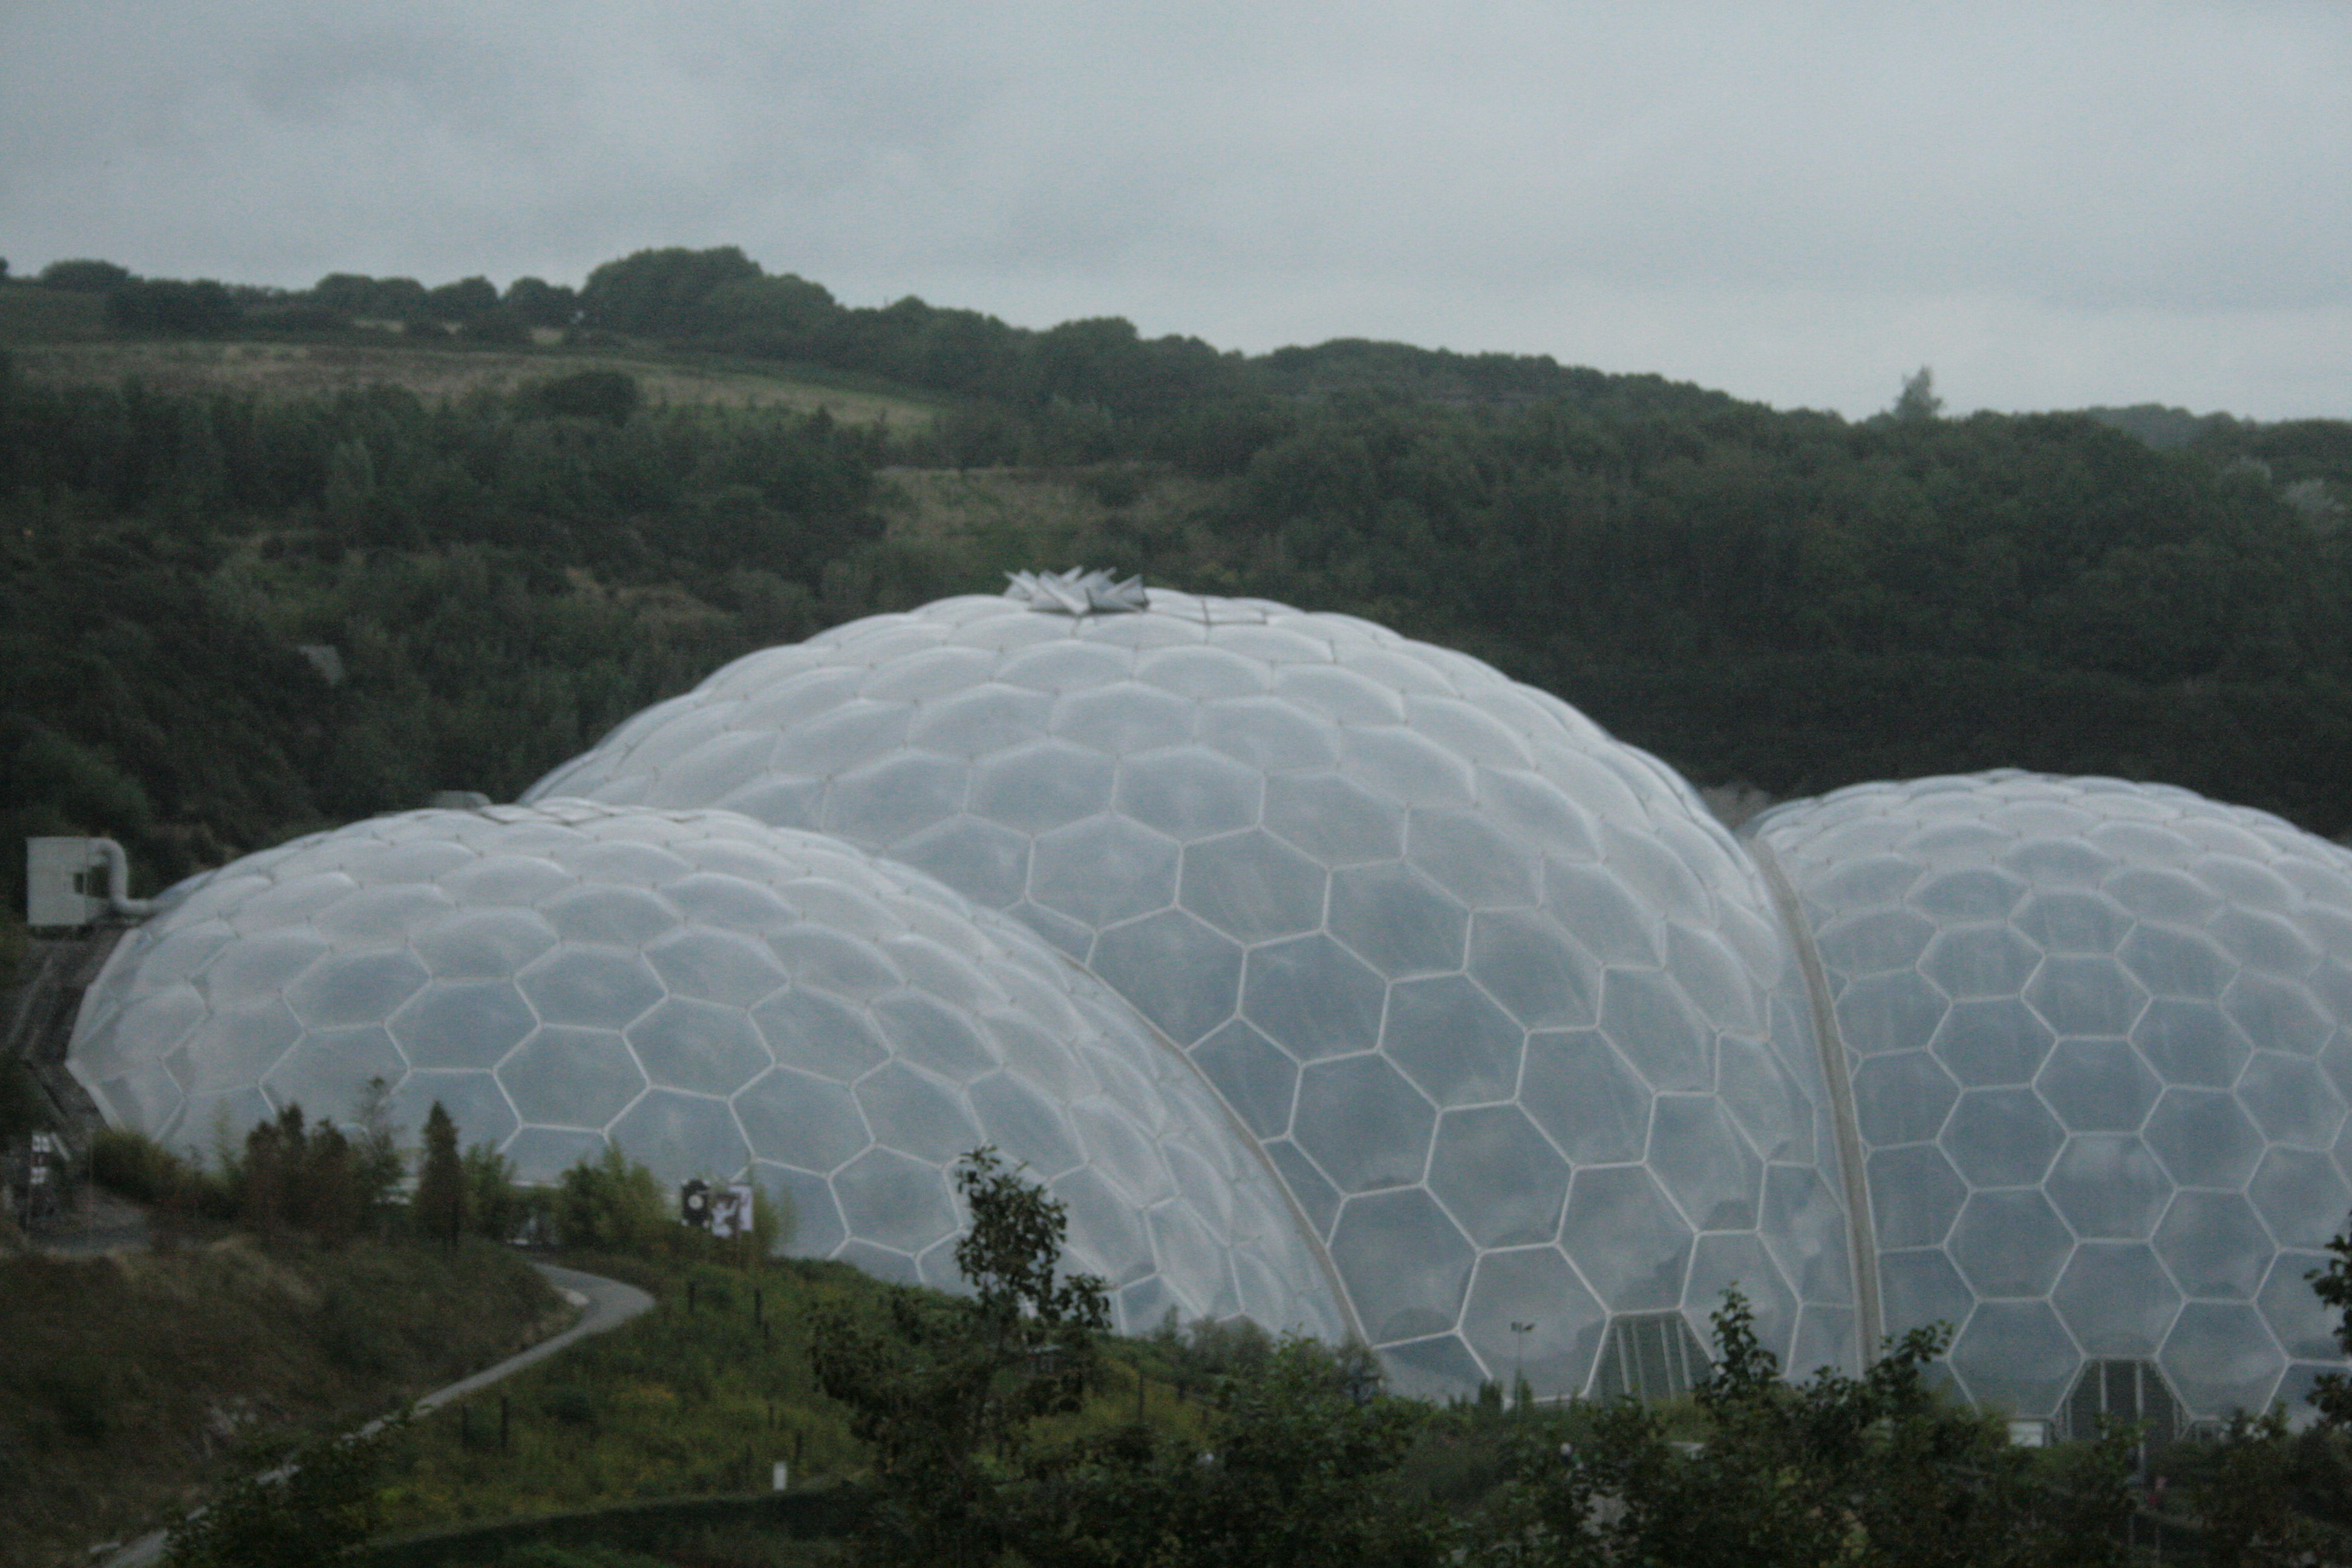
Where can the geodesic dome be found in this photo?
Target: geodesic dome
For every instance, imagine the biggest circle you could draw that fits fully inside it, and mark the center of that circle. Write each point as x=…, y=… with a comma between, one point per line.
x=2099, y=1067
x=713, y=996
x=1510, y=1012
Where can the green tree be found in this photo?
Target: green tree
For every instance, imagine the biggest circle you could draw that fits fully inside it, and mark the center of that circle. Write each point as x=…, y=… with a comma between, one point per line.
x=308, y=1511
x=495, y=1205
x=1875, y=1470
x=1917, y=404
x=437, y=1208
x=84, y=276
x=2331, y=1393
x=943, y=1391
x=539, y=303
x=611, y=1204
x=461, y=301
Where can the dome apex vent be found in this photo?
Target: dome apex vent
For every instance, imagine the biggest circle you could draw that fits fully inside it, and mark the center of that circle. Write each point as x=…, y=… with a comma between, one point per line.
x=1080, y=590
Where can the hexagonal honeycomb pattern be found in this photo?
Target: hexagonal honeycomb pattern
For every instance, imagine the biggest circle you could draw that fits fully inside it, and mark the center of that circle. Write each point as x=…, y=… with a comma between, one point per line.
x=2099, y=1066
x=714, y=996
x=1510, y=1012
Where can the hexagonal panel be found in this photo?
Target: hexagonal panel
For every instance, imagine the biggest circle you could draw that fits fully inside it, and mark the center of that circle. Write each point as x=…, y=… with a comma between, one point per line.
x=1646, y=1018
x=1988, y=1042
x=355, y=988
x=984, y=861
x=475, y=1101
x=1124, y=717
x=1586, y=1097
x=1704, y=1165
x=2181, y=964
x=2191, y=1042
x=1181, y=975
x=1874, y=940
x=618, y=917
x=1252, y=887
x=1255, y=1076
x=894, y=797
x=2063, y=921
x=895, y=1200
x=2116, y=1298
x=2098, y=1086
x=2109, y=1186
x=2009, y=1243
x=1498, y=1176
x=1399, y=920
x=1337, y=820
x=1452, y=1040
x=318, y=1071
x=1040, y=788
x=1188, y=793
x=463, y=1024
x=2291, y=1100
x=1914, y=1196
x=1025, y=1124
x=1312, y=997
x=2222, y=1358
x=1103, y=870
x=698, y=1047
x=1971, y=893
x=596, y=986
x=1363, y=1123
x=2085, y=995
x=2002, y=1137
x=2203, y=1138
x=1268, y=734
x=2016, y=1353
x=1890, y=1011
x=715, y=966
x=1979, y=961
x=1522, y=959
x=935, y=1035
x=2301, y=1196
x=1902, y=1097
x=1533, y=1286
x=1405, y=1264
x=2214, y=1244
x=807, y=1028
x=1625, y=1238
x=1921, y=1288
x=569, y=1077
x=1475, y=860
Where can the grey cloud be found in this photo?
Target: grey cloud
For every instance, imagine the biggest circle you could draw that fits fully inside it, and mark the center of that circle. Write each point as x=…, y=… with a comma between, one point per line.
x=1808, y=198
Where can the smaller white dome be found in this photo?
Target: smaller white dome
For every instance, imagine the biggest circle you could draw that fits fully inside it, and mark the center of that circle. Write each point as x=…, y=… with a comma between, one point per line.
x=2100, y=1070
x=714, y=997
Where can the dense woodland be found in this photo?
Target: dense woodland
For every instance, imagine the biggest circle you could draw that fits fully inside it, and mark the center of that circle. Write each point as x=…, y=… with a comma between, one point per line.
x=1786, y=599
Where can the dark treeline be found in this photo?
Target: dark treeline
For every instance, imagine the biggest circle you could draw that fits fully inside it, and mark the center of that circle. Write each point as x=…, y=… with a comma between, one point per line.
x=1789, y=599
x=498, y=581
x=1799, y=601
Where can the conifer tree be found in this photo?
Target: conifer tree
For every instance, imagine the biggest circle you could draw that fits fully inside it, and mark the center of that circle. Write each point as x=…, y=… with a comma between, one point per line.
x=439, y=1208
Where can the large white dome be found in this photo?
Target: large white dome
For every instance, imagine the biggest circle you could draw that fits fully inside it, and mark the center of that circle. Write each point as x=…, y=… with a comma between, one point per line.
x=1512, y=1015
x=2100, y=1068
x=713, y=995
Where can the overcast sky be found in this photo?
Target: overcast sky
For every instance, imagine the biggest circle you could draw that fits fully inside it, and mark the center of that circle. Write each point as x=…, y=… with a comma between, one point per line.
x=2053, y=205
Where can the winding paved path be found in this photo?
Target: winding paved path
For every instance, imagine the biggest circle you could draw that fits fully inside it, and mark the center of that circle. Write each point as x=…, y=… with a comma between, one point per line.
x=608, y=1303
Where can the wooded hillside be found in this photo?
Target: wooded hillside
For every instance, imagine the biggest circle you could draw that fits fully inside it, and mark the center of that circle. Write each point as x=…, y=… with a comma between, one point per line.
x=1788, y=599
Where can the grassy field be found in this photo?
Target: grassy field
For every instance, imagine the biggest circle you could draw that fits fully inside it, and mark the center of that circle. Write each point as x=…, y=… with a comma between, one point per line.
x=284, y=370
x=129, y=1383
x=986, y=520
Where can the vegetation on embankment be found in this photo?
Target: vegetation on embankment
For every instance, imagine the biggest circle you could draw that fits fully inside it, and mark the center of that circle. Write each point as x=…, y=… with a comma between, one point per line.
x=131, y=1383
